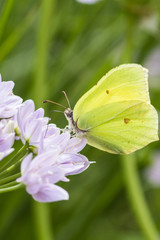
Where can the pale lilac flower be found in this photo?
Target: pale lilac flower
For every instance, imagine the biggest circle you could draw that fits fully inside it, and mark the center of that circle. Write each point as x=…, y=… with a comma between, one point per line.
x=31, y=123
x=39, y=177
x=152, y=173
x=88, y=1
x=16, y=127
x=68, y=148
x=73, y=163
x=7, y=137
x=52, y=138
x=8, y=101
x=42, y=173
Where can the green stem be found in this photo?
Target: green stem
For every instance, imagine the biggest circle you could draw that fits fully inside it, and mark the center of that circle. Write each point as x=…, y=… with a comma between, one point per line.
x=5, y=15
x=17, y=34
x=12, y=167
x=10, y=178
x=42, y=220
x=43, y=44
x=41, y=210
x=10, y=184
x=103, y=198
x=18, y=155
x=9, y=189
x=137, y=198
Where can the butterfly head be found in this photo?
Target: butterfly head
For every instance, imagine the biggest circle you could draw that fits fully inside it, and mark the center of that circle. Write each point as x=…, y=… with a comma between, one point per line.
x=68, y=114
x=71, y=123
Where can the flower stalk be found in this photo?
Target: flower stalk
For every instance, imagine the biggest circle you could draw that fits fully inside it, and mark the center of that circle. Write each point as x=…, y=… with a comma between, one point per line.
x=10, y=178
x=136, y=197
x=10, y=189
x=14, y=159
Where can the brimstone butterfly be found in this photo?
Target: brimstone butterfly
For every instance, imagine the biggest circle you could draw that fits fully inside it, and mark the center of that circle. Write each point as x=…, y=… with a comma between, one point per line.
x=115, y=115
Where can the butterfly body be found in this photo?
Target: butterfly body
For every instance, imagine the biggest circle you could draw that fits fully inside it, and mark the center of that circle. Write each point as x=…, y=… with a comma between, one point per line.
x=73, y=124
x=115, y=115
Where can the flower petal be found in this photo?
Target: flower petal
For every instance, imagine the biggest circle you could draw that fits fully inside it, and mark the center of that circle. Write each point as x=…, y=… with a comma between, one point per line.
x=51, y=193
x=26, y=162
x=73, y=163
x=76, y=144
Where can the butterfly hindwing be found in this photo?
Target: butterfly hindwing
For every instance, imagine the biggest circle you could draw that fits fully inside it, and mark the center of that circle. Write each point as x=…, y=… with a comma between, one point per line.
x=125, y=130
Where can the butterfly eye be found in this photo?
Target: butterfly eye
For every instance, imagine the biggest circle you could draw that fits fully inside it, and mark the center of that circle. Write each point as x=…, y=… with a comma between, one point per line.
x=70, y=114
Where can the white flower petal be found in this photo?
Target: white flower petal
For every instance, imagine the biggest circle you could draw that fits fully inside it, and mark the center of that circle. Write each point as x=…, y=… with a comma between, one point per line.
x=51, y=193
x=76, y=144
x=26, y=162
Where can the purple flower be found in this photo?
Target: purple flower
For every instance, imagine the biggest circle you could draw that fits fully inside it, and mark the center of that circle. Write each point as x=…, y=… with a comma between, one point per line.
x=57, y=158
x=42, y=173
x=57, y=152
x=152, y=173
x=39, y=177
x=31, y=123
x=7, y=137
x=52, y=138
x=68, y=148
x=8, y=101
x=73, y=163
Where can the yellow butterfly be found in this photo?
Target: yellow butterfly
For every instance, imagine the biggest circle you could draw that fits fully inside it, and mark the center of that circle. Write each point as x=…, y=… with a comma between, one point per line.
x=115, y=115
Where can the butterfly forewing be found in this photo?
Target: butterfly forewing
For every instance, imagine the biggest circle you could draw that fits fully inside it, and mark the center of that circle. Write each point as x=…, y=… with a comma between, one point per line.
x=126, y=82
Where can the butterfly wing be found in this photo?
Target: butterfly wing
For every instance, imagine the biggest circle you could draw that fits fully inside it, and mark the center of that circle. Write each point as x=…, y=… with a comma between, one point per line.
x=116, y=113
x=123, y=83
x=121, y=127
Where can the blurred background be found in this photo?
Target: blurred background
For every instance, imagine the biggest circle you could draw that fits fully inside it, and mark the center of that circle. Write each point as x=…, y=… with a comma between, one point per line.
x=52, y=45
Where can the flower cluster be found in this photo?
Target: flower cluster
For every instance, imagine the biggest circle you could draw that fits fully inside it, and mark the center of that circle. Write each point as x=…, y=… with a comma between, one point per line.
x=50, y=154
x=9, y=104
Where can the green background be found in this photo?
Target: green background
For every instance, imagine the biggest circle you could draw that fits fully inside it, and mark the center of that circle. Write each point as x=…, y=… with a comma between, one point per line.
x=52, y=45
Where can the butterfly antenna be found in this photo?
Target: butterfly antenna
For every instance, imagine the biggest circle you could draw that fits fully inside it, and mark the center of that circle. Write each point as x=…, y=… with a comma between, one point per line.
x=48, y=101
x=57, y=111
x=67, y=99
